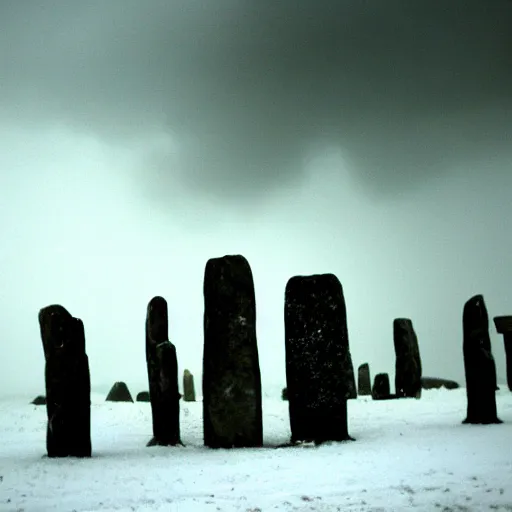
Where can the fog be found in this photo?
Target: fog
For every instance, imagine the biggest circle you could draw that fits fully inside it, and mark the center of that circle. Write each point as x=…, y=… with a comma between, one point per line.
x=138, y=140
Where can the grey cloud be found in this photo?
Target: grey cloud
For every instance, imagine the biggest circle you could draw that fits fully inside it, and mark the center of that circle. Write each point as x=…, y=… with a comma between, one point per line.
x=247, y=90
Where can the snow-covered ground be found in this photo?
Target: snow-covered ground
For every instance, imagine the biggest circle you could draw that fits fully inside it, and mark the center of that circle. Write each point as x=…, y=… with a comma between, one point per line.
x=408, y=454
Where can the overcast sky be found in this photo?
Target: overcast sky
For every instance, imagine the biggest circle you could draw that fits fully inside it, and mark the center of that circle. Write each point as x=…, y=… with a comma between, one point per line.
x=138, y=139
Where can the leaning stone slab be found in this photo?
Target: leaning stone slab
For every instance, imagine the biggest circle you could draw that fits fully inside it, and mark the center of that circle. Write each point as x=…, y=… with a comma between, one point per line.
x=479, y=365
x=504, y=326
x=319, y=371
x=68, y=388
x=232, y=412
x=408, y=362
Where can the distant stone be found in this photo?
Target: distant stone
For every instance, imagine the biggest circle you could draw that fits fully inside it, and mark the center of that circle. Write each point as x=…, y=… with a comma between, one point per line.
x=39, y=400
x=408, y=362
x=319, y=370
x=284, y=394
x=232, y=409
x=364, y=385
x=119, y=393
x=189, y=391
x=479, y=364
x=381, y=388
x=143, y=396
x=504, y=326
x=438, y=383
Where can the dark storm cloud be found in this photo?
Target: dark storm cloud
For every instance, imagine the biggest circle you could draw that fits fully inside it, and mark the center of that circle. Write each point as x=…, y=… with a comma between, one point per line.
x=246, y=89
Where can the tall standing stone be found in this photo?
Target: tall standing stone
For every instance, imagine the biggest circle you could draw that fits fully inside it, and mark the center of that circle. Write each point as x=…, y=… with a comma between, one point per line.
x=504, y=326
x=232, y=412
x=68, y=385
x=364, y=384
x=479, y=364
x=408, y=361
x=189, y=391
x=162, y=366
x=319, y=371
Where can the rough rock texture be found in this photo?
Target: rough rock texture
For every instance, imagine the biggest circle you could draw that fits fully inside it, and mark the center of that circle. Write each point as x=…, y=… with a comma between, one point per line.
x=68, y=388
x=189, y=391
x=504, y=326
x=143, y=396
x=319, y=371
x=437, y=383
x=408, y=362
x=232, y=412
x=479, y=364
x=381, y=388
x=364, y=383
x=119, y=392
x=39, y=400
x=162, y=366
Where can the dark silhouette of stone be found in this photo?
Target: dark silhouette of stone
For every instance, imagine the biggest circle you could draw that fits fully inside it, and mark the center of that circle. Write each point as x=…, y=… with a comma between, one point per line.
x=479, y=364
x=189, y=391
x=119, y=392
x=284, y=394
x=143, y=396
x=408, y=362
x=232, y=413
x=319, y=371
x=364, y=384
x=504, y=326
x=381, y=388
x=437, y=383
x=162, y=366
x=68, y=387
x=39, y=400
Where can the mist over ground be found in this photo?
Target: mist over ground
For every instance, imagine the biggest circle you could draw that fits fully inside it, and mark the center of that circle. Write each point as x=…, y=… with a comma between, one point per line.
x=137, y=140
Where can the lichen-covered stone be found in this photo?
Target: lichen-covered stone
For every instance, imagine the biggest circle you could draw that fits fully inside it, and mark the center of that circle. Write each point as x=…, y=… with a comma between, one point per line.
x=479, y=364
x=319, y=371
x=408, y=362
x=232, y=412
x=162, y=366
x=364, y=384
x=438, y=383
x=189, y=391
x=381, y=389
x=504, y=326
x=143, y=396
x=119, y=392
x=68, y=388
x=39, y=400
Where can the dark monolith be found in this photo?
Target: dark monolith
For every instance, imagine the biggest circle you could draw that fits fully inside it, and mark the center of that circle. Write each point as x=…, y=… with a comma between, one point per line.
x=119, y=392
x=479, y=364
x=284, y=394
x=232, y=412
x=408, y=362
x=68, y=387
x=143, y=396
x=319, y=371
x=364, y=384
x=504, y=326
x=438, y=383
x=189, y=391
x=162, y=366
x=381, y=389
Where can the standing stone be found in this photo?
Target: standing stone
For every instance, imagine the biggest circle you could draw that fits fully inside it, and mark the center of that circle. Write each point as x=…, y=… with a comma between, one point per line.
x=479, y=364
x=232, y=413
x=143, y=396
x=381, y=389
x=162, y=366
x=68, y=385
x=189, y=391
x=504, y=326
x=119, y=392
x=319, y=371
x=408, y=361
x=39, y=400
x=364, y=384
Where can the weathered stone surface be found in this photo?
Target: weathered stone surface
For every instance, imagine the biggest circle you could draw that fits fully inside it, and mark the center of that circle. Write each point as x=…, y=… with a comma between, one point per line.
x=408, y=361
x=162, y=366
x=143, y=396
x=39, y=400
x=119, y=392
x=504, y=326
x=189, y=390
x=479, y=364
x=232, y=412
x=364, y=383
x=437, y=383
x=68, y=388
x=381, y=389
x=319, y=371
